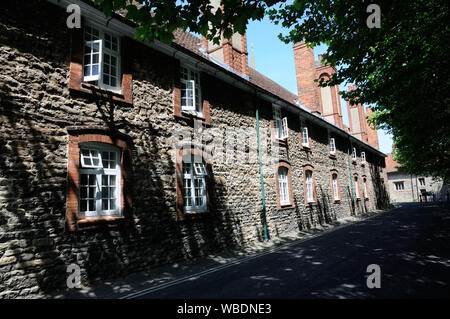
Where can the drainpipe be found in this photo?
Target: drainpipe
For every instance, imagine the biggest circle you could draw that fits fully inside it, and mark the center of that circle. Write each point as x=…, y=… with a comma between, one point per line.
x=262, y=179
x=351, y=180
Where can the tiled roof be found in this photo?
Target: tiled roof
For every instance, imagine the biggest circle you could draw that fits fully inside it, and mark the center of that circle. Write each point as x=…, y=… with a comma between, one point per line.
x=391, y=164
x=267, y=84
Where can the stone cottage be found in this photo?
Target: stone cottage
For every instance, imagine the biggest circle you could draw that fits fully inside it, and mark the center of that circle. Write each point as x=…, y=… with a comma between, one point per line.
x=118, y=155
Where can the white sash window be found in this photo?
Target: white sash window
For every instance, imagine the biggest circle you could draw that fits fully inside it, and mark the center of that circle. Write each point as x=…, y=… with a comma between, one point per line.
x=194, y=185
x=280, y=124
x=309, y=187
x=363, y=157
x=283, y=185
x=190, y=90
x=101, y=63
x=332, y=146
x=335, y=187
x=305, y=136
x=354, y=154
x=99, y=183
x=357, y=187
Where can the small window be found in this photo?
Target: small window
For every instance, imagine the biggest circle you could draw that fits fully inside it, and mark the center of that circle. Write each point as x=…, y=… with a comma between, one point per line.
x=280, y=124
x=335, y=184
x=399, y=186
x=354, y=154
x=305, y=136
x=332, y=146
x=194, y=185
x=366, y=192
x=422, y=181
x=356, y=187
x=99, y=186
x=101, y=62
x=191, y=99
x=283, y=186
x=363, y=157
x=309, y=186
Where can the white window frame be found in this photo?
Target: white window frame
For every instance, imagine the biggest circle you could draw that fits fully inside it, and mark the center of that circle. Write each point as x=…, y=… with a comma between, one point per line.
x=332, y=146
x=365, y=190
x=103, y=50
x=192, y=76
x=196, y=173
x=283, y=185
x=354, y=156
x=335, y=185
x=363, y=157
x=309, y=186
x=100, y=171
x=420, y=181
x=305, y=136
x=280, y=125
x=355, y=180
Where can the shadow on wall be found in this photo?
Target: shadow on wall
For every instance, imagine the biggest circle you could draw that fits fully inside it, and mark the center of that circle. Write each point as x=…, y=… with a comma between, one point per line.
x=381, y=193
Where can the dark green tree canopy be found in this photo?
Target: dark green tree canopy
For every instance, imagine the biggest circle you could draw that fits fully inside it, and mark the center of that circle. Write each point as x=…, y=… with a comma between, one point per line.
x=400, y=69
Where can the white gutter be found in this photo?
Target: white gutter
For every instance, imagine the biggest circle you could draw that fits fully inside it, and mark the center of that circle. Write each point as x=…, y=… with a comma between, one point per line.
x=94, y=15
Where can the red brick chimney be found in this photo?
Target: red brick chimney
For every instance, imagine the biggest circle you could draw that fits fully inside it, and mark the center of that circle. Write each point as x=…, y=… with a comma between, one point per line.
x=330, y=101
x=305, y=69
x=372, y=134
x=233, y=52
x=358, y=122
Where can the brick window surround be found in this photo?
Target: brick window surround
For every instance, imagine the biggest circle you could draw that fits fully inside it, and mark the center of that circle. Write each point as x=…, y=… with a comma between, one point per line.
x=79, y=134
x=332, y=173
x=309, y=168
x=76, y=70
x=365, y=187
x=287, y=165
x=356, y=186
x=206, y=119
x=193, y=151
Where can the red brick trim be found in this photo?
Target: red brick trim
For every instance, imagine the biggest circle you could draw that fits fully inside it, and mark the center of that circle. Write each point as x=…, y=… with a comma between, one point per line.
x=286, y=164
x=178, y=113
x=335, y=172
x=309, y=168
x=197, y=151
x=75, y=220
x=76, y=70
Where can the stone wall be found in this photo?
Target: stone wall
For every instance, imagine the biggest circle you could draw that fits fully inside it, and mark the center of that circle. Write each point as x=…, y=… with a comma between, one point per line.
x=36, y=107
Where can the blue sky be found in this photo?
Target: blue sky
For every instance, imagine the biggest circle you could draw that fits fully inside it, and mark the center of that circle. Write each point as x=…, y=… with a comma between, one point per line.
x=275, y=60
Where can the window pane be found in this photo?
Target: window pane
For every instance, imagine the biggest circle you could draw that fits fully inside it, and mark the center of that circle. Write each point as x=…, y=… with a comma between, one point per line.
x=83, y=205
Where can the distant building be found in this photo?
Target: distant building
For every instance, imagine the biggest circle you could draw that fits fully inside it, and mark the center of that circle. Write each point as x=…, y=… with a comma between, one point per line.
x=404, y=187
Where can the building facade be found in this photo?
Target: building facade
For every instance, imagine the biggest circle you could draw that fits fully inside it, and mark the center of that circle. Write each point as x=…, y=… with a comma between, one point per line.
x=118, y=155
x=404, y=187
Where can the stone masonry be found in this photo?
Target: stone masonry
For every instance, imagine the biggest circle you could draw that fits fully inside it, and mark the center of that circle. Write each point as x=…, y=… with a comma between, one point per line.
x=36, y=110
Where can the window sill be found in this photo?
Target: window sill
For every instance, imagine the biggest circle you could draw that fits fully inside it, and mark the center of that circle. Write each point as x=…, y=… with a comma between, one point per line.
x=192, y=215
x=281, y=142
x=337, y=201
x=192, y=116
x=95, y=90
x=285, y=207
x=332, y=156
x=311, y=204
x=95, y=223
x=306, y=148
x=353, y=161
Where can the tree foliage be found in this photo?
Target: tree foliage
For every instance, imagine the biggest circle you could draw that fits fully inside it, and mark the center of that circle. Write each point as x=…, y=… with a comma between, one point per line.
x=401, y=69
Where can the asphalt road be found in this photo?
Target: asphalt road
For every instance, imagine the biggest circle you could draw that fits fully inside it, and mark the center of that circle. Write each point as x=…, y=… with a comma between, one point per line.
x=411, y=244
